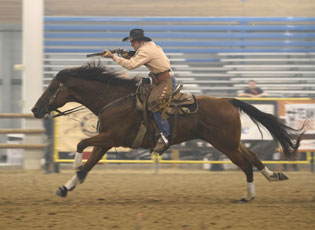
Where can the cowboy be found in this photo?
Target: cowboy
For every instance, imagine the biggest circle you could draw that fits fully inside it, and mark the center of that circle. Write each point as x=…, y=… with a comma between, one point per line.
x=153, y=57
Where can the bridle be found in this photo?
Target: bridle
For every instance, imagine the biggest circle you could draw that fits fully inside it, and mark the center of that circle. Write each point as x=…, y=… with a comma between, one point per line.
x=53, y=98
x=60, y=113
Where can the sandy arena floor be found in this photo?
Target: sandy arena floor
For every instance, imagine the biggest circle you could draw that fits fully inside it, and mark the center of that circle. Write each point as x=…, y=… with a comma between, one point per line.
x=174, y=199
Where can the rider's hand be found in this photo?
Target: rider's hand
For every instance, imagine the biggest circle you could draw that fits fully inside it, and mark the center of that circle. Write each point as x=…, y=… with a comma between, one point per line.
x=108, y=54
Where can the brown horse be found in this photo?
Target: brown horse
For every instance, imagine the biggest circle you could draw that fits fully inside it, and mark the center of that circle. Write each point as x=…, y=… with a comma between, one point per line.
x=111, y=97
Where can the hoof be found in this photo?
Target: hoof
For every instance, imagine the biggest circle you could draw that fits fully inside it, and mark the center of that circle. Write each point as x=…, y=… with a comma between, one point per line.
x=282, y=176
x=245, y=200
x=278, y=176
x=62, y=191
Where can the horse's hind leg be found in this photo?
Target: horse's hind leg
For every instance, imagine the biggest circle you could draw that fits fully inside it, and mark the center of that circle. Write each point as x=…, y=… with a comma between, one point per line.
x=229, y=145
x=252, y=157
x=245, y=165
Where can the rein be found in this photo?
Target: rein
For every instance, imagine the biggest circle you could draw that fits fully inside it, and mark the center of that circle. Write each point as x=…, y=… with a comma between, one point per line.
x=69, y=111
x=116, y=101
x=113, y=103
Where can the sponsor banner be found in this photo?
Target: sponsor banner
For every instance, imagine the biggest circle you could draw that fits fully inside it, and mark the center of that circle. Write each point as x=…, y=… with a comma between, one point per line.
x=299, y=113
x=71, y=129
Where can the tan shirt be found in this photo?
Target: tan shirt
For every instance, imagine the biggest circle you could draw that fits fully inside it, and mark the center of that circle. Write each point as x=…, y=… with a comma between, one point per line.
x=148, y=54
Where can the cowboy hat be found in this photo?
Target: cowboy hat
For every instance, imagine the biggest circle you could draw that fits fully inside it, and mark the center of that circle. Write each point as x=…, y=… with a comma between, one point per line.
x=136, y=34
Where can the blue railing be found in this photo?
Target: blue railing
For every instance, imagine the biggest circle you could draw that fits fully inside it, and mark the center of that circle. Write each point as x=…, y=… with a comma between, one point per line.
x=200, y=35
x=153, y=35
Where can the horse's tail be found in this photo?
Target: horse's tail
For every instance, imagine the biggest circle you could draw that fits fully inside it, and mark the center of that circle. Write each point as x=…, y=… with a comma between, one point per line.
x=280, y=132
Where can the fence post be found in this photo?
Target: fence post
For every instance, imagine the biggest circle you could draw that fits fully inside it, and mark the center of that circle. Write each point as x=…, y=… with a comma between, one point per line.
x=33, y=18
x=155, y=159
x=312, y=162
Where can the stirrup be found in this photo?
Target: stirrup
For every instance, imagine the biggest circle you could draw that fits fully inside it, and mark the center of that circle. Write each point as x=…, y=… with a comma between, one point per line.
x=161, y=145
x=165, y=140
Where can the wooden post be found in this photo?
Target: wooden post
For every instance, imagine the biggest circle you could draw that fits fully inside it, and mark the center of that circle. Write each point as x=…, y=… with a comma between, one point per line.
x=312, y=162
x=16, y=115
x=24, y=131
x=22, y=146
x=175, y=156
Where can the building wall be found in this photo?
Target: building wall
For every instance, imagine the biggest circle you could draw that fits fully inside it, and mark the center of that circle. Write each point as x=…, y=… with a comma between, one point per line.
x=10, y=87
x=10, y=79
x=11, y=10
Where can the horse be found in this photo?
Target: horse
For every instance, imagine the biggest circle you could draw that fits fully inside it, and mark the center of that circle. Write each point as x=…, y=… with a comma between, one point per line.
x=112, y=98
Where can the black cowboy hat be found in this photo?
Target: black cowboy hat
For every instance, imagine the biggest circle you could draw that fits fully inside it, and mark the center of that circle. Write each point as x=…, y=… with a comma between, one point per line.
x=136, y=34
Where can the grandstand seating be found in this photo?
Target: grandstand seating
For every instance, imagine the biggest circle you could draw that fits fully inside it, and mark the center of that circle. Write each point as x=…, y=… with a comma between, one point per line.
x=216, y=56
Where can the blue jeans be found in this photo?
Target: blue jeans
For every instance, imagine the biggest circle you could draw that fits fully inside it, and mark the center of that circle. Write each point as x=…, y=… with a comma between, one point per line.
x=162, y=124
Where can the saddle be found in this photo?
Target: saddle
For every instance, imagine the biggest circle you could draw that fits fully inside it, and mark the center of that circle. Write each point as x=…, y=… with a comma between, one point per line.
x=181, y=103
x=184, y=103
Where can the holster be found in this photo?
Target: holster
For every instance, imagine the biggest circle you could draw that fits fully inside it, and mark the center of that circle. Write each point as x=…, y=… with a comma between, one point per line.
x=160, y=76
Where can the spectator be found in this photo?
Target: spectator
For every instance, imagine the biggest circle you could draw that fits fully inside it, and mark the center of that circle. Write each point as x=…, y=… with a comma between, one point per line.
x=252, y=91
x=49, y=150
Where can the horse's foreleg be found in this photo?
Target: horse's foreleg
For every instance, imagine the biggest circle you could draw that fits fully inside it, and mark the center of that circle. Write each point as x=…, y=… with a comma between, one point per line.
x=101, y=140
x=79, y=177
x=102, y=144
x=96, y=155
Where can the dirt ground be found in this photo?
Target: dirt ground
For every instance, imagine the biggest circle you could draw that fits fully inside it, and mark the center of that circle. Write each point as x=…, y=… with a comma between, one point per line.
x=173, y=199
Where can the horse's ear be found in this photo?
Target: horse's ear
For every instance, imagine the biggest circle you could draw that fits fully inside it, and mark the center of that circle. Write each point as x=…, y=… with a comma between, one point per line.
x=61, y=76
x=58, y=76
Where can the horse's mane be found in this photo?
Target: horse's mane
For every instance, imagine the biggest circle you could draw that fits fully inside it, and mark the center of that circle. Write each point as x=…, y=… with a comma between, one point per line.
x=95, y=71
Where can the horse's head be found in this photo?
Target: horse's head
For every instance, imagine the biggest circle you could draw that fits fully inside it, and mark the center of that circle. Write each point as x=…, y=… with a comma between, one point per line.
x=55, y=96
x=89, y=85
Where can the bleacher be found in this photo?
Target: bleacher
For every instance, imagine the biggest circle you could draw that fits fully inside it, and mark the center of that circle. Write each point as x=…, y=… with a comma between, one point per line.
x=215, y=56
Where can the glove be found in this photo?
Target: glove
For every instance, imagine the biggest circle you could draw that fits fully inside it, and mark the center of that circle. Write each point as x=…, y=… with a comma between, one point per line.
x=146, y=80
x=108, y=54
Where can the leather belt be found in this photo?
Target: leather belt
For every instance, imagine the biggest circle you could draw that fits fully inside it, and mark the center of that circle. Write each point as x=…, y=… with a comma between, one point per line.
x=160, y=76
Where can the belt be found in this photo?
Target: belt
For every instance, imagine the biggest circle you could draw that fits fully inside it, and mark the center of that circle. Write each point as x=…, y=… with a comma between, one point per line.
x=161, y=76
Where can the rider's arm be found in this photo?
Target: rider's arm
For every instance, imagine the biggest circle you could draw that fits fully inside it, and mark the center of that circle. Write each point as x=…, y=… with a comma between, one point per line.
x=136, y=61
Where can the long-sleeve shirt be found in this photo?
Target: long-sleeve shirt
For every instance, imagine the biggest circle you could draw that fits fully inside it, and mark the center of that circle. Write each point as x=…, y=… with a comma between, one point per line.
x=148, y=54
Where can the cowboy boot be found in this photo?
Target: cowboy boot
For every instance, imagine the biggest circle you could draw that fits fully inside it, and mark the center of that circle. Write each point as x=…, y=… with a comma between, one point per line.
x=161, y=144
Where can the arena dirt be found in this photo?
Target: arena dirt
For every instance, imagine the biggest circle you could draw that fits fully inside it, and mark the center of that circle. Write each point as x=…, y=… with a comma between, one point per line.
x=173, y=199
